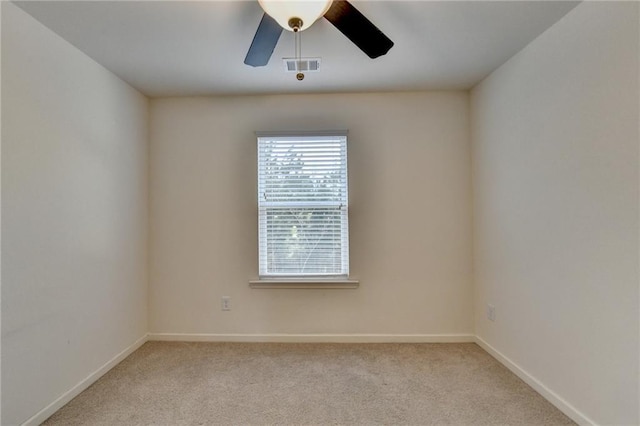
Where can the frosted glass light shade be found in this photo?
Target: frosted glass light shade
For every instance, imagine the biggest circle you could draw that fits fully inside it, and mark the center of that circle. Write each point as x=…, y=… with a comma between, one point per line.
x=307, y=10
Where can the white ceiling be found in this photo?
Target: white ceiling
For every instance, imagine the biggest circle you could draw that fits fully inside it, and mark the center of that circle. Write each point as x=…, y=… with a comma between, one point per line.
x=171, y=48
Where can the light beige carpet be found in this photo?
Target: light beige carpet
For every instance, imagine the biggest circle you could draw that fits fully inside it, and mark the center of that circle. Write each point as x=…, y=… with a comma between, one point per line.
x=166, y=383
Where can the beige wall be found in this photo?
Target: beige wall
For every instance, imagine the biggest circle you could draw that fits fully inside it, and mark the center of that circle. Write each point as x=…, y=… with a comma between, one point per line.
x=555, y=173
x=409, y=171
x=74, y=216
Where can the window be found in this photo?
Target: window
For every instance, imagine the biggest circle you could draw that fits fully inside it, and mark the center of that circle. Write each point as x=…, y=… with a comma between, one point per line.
x=303, y=206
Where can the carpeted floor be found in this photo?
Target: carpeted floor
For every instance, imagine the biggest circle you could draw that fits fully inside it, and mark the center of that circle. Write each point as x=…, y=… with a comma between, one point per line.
x=165, y=383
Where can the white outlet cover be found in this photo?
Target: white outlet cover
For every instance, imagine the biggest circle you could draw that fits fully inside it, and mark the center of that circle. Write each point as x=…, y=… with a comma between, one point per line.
x=226, y=303
x=491, y=312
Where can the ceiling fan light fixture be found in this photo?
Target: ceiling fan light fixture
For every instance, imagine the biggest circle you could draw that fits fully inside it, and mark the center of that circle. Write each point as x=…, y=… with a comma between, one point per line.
x=305, y=11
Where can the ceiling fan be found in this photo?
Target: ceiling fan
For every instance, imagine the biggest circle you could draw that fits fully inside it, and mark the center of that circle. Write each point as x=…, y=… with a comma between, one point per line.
x=299, y=15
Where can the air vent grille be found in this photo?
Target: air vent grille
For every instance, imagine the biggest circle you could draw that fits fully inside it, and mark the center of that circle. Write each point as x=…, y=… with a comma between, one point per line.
x=302, y=65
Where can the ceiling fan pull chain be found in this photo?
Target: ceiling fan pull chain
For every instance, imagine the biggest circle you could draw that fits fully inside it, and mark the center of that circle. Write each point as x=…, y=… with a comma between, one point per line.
x=298, y=53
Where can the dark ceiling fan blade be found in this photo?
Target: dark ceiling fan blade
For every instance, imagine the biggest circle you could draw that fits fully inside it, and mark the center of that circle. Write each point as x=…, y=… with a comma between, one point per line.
x=264, y=42
x=358, y=29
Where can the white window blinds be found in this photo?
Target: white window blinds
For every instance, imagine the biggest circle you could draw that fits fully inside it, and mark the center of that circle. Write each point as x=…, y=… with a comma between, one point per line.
x=302, y=204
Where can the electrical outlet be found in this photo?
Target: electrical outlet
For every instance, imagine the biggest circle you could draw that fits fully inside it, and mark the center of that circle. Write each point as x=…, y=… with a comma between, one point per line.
x=226, y=303
x=491, y=312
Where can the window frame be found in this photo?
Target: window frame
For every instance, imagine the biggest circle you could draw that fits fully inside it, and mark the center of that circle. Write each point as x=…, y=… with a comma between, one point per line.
x=301, y=279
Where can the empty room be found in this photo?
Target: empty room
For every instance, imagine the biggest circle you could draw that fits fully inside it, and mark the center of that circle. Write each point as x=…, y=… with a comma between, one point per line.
x=320, y=212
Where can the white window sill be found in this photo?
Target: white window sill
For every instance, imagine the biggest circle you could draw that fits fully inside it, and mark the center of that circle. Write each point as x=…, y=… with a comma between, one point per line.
x=305, y=283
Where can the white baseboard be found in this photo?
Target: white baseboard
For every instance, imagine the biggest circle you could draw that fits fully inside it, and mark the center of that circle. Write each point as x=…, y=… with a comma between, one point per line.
x=315, y=338
x=46, y=412
x=537, y=385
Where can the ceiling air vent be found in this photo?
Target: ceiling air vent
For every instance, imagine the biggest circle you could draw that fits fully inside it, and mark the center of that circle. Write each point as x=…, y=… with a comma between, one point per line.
x=301, y=65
